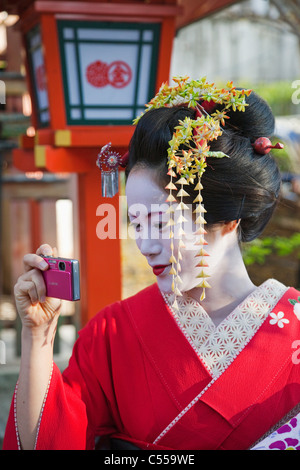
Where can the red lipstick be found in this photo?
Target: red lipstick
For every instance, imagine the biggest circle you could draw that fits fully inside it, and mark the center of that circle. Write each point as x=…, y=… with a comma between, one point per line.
x=159, y=269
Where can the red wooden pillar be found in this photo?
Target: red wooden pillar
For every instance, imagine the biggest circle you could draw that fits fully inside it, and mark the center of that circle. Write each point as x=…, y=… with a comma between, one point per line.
x=99, y=258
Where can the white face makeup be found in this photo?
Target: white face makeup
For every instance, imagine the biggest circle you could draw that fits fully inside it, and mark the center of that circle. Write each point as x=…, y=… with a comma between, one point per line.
x=147, y=209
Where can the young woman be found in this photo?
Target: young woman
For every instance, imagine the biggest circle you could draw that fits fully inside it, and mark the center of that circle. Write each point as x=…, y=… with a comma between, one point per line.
x=179, y=365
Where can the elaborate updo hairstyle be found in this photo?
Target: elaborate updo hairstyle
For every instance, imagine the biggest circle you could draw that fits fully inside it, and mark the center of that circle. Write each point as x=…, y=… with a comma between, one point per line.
x=245, y=186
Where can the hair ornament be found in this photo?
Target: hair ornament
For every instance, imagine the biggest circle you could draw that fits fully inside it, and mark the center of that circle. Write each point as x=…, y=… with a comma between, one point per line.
x=108, y=162
x=187, y=156
x=263, y=145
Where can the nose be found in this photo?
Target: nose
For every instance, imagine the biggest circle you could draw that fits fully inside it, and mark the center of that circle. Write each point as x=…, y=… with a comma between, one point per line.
x=149, y=247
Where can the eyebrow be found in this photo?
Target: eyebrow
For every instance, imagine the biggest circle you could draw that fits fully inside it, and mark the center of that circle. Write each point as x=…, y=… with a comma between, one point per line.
x=148, y=215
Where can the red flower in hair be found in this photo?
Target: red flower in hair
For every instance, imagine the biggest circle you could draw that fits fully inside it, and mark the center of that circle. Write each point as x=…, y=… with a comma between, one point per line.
x=208, y=106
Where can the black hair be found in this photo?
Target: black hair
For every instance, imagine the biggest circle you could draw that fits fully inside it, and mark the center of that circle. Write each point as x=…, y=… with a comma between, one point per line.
x=245, y=186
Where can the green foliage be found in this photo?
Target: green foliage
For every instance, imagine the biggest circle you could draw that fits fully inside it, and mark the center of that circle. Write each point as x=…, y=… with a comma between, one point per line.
x=258, y=250
x=282, y=157
x=278, y=95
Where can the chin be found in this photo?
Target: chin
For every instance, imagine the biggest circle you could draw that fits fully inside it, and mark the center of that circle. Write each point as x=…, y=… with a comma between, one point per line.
x=164, y=284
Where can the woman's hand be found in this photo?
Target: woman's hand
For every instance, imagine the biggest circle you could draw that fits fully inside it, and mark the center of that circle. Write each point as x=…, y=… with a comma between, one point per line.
x=35, y=309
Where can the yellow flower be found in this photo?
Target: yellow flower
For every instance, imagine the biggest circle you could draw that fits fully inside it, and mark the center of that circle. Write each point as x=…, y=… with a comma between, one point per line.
x=220, y=116
x=213, y=129
x=201, y=150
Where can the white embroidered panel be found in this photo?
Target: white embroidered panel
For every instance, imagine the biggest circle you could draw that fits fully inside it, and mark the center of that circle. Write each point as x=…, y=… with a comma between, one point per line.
x=217, y=346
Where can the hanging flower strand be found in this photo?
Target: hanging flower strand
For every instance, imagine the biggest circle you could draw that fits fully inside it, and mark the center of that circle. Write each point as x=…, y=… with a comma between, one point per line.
x=190, y=164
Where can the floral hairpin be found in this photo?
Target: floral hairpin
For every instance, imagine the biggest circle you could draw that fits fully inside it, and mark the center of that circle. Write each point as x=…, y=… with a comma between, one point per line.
x=108, y=162
x=189, y=165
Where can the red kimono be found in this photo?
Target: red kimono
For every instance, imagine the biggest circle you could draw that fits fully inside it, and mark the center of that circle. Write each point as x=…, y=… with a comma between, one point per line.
x=137, y=373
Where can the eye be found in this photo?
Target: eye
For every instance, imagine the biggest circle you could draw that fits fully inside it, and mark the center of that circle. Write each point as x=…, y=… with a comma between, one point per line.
x=135, y=226
x=160, y=225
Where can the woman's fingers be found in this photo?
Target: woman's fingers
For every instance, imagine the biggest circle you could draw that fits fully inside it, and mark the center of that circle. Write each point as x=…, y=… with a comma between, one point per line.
x=34, y=308
x=45, y=250
x=32, y=260
x=35, y=260
x=32, y=283
x=28, y=288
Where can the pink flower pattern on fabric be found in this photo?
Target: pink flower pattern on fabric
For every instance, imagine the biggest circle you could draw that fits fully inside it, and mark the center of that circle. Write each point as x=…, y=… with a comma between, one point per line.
x=287, y=437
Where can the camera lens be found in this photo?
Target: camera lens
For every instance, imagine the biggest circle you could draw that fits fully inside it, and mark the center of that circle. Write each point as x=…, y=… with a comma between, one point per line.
x=62, y=266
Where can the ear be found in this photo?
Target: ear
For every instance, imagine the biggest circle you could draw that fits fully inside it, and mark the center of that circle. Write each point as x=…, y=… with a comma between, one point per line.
x=230, y=227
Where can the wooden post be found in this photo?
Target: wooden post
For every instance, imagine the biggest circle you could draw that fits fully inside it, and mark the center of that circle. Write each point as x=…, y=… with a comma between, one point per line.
x=53, y=72
x=100, y=260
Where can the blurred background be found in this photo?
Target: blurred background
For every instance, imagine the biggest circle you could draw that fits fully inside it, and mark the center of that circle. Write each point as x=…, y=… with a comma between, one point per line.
x=255, y=43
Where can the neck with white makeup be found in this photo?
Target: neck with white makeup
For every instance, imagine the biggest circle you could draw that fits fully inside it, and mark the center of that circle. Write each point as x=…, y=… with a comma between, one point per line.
x=229, y=280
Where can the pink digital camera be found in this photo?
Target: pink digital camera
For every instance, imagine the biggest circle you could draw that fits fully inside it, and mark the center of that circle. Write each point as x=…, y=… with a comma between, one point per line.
x=62, y=278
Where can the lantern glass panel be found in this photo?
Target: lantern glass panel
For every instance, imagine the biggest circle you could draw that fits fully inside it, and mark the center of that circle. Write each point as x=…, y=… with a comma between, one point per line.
x=109, y=69
x=38, y=76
